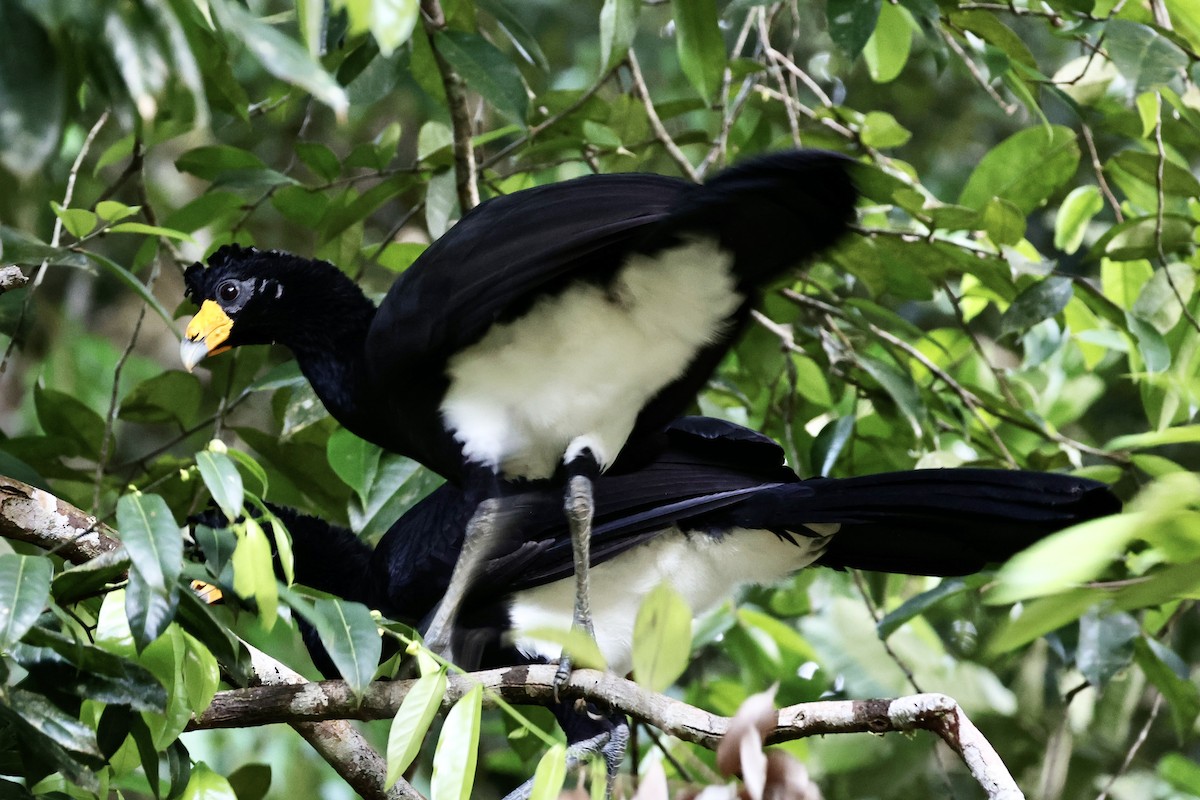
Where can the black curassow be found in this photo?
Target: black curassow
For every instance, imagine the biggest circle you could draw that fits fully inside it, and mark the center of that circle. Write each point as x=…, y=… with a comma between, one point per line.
x=713, y=508
x=542, y=331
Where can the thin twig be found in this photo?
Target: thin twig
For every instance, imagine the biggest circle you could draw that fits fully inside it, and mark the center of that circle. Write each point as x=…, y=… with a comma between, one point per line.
x=1008, y=108
x=465, y=175
x=1133, y=750
x=656, y=124
x=1160, y=211
x=1098, y=170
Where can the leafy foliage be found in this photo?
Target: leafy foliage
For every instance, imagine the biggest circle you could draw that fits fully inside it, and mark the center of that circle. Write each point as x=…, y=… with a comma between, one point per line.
x=1021, y=292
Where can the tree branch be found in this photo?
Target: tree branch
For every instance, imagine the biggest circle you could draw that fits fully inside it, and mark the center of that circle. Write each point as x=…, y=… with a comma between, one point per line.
x=936, y=713
x=11, y=277
x=465, y=179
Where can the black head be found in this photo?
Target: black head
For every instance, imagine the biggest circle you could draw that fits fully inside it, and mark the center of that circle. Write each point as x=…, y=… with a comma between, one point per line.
x=249, y=296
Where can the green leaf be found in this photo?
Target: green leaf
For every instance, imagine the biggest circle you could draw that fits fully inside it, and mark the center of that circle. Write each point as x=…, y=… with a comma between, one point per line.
x=320, y=159
x=486, y=70
x=33, y=93
x=1076, y=211
x=223, y=480
x=280, y=55
x=351, y=637
x=355, y=461
x=1064, y=559
x=1176, y=180
x=880, y=129
x=1145, y=58
x=915, y=606
x=1180, y=771
x=1105, y=645
x=88, y=672
x=886, y=52
x=18, y=247
x=412, y=722
x=662, y=638
x=251, y=781
x=1024, y=169
x=50, y=721
x=521, y=37
x=550, y=775
x=155, y=549
x=1159, y=301
x=1004, y=222
x=1169, y=674
x=204, y=784
x=79, y=222
x=987, y=26
x=457, y=749
x=700, y=45
x=579, y=647
x=172, y=396
x=253, y=572
x=1042, y=616
x=112, y=211
x=392, y=23
x=150, y=230
x=126, y=277
x=1038, y=302
x=60, y=414
x=900, y=387
x=397, y=485
x=1184, y=434
x=618, y=26
x=24, y=590
x=210, y=161
x=851, y=23
x=1141, y=237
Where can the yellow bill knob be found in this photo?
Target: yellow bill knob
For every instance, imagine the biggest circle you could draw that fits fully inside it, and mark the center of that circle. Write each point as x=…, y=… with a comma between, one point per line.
x=205, y=334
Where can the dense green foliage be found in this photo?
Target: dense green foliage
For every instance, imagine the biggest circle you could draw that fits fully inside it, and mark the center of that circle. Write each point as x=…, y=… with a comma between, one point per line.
x=1021, y=292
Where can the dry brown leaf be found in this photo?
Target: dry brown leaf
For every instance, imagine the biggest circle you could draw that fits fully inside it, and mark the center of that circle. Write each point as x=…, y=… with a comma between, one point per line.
x=654, y=784
x=787, y=779
x=754, y=719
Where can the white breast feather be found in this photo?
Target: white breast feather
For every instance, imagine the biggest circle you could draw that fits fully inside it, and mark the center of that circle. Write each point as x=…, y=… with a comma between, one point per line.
x=530, y=388
x=704, y=570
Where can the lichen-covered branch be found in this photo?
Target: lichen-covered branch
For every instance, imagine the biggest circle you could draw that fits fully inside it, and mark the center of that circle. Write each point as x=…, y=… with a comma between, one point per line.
x=936, y=713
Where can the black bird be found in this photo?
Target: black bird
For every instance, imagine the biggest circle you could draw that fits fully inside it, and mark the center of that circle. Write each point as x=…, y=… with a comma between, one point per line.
x=543, y=331
x=711, y=508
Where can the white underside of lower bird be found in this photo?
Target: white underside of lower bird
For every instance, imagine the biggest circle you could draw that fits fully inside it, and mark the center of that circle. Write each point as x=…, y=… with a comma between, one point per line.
x=574, y=371
x=704, y=569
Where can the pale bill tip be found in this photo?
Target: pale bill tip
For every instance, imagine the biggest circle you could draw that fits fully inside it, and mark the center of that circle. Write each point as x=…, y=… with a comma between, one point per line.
x=190, y=352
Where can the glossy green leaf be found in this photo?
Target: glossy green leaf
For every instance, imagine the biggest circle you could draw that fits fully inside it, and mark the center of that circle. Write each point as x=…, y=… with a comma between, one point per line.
x=700, y=46
x=155, y=548
x=32, y=92
x=662, y=638
x=886, y=52
x=172, y=396
x=901, y=388
x=1169, y=674
x=1105, y=645
x=1145, y=57
x=914, y=606
x=209, y=161
x=319, y=158
x=253, y=573
x=880, y=129
x=204, y=784
x=851, y=23
x=458, y=749
x=412, y=722
x=150, y=230
x=61, y=728
x=618, y=26
x=392, y=23
x=350, y=636
x=1180, y=772
x=486, y=70
x=280, y=55
x=88, y=672
x=524, y=40
x=1025, y=169
x=1144, y=237
x=79, y=222
x=1184, y=434
x=62, y=415
x=1076, y=212
x=1041, y=616
x=131, y=282
x=1003, y=221
x=355, y=461
x=251, y=781
x=1159, y=301
x=581, y=648
x=223, y=480
x=550, y=775
x=1038, y=302
x=24, y=590
x=991, y=29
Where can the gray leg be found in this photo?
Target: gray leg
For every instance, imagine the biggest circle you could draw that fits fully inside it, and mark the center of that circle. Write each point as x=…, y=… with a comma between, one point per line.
x=476, y=545
x=580, y=508
x=609, y=745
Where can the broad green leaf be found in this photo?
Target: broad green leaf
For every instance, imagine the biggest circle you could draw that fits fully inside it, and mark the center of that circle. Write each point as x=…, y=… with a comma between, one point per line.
x=1152, y=347
x=1144, y=237
x=392, y=23
x=700, y=46
x=60, y=414
x=1105, y=645
x=24, y=590
x=253, y=573
x=1065, y=559
x=150, y=230
x=1176, y=180
x=1025, y=169
x=1122, y=281
x=319, y=158
x=172, y=396
x=1076, y=211
x=880, y=129
x=1179, y=771
x=350, y=636
x=901, y=388
x=79, y=222
x=618, y=26
x=89, y=672
x=1169, y=674
x=830, y=442
x=914, y=606
x=886, y=52
x=1159, y=301
x=155, y=548
x=131, y=282
x=252, y=467
x=457, y=749
x=1145, y=58
x=223, y=480
x=251, y=781
x=1184, y=434
x=550, y=775
x=987, y=26
x=486, y=70
x=204, y=784
x=412, y=722
x=1038, y=302
x=662, y=638
x=33, y=92
x=521, y=37
x=64, y=729
x=19, y=247
x=355, y=460
x=210, y=161
x=581, y=648
x=1003, y=221
x=851, y=23
x=1041, y=616
x=397, y=485
x=280, y=55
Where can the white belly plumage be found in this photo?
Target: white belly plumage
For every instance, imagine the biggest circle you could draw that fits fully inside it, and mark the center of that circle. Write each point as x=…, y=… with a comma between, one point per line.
x=574, y=371
x=704, y=570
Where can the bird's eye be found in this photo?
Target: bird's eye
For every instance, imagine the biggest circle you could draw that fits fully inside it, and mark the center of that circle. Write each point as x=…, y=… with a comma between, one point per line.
x=228, y=292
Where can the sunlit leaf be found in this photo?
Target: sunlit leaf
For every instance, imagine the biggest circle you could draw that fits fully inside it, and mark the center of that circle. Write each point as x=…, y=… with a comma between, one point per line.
x=24, y=590
x=458, y=749
x=662, y=638
x=412, y=722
